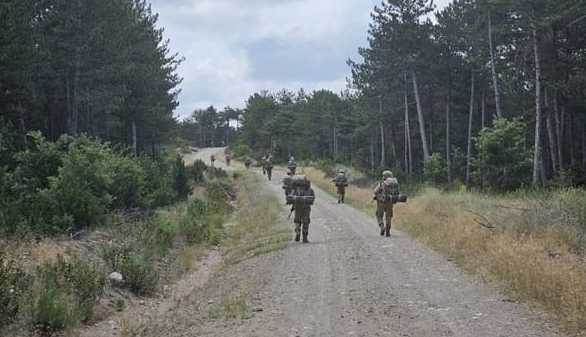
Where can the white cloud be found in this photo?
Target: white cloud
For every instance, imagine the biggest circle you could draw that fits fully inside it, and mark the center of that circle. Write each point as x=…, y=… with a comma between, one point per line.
x=234, y=48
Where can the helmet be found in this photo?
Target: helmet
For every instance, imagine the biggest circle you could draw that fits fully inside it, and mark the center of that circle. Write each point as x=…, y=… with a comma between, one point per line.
x=341, y=171
x=387, y=174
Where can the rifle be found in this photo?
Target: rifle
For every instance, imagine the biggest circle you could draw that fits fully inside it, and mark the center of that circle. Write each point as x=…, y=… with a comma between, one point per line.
x=290, y=213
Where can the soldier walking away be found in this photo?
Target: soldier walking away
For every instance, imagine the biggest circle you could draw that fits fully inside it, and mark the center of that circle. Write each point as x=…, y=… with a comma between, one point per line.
x=212, y=160
x=292, y=165
x=247, y=163
x=301, y=200
x=386, y=195
x=288, y=183
x=228, y=158
x=263, y=164
x=268, y=167
x=341, y=183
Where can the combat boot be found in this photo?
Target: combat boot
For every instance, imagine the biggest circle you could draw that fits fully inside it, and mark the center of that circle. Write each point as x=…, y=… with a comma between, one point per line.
x=388, y=230
x=382, y=229
x=305, y=237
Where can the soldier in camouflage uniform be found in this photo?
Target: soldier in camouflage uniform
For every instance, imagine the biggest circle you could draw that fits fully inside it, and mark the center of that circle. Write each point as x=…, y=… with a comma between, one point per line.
x=386, y=194
x=228, y=158
x=268, y=166
x=288, y=183
x=292, y=165
x=341, y=183
x=301, y=198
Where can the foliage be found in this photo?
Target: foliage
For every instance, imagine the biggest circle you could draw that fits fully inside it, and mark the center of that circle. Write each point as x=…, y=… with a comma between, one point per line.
x=196, y=171
x=180, y=180
x=504, y=161
x=13, y=284
x=137, y=268
x=67, y=291
x=241, y=150
x=434, y=169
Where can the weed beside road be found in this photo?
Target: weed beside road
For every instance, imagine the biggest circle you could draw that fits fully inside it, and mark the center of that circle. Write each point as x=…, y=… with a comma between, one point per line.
x=531, y=244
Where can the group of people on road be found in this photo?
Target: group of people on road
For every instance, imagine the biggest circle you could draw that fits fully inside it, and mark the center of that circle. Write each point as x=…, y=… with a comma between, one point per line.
x=300, y=195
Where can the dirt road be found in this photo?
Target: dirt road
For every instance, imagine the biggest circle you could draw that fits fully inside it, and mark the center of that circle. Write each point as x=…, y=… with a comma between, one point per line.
x=349, y=281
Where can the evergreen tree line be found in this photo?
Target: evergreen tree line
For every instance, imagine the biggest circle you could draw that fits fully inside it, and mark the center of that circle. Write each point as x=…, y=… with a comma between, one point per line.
x=96, y=67
x=210, y=127
x=491, y=93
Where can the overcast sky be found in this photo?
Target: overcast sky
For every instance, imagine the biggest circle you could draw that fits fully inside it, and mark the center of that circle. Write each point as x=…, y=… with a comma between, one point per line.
x=234, y=48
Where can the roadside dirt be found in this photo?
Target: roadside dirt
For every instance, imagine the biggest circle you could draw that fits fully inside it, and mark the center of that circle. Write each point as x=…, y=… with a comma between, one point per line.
x=348, y=281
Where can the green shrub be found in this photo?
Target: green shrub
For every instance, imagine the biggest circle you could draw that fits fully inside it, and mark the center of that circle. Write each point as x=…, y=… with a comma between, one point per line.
x=504, y=162
x=219, y=193
x=196, y=171
x=13, y=284
x=138, y=270
x=216, y=173
x=67, y=294
x=158, y=182
x=128, y=183
x=180, y=181
x=241, y=150
x=194, y=224
x=435, y=170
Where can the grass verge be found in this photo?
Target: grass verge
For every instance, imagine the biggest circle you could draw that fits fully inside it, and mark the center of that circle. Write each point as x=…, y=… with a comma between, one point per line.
x=533, y=245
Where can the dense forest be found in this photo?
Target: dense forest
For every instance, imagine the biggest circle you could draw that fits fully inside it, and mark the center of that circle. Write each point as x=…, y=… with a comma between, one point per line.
x=488, y=93
x=97, y=67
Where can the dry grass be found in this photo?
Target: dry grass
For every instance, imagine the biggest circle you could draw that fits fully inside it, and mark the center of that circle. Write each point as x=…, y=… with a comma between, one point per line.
x=257, y=227
x=532, y=246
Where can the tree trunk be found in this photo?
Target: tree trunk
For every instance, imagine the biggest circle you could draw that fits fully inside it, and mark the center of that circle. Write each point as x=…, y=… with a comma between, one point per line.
x=559, y=133
x=495, y=83
x=448, y=144
x=134, y=139
x=408, y=153
x=382, y=146
x=551, y=137
x=426, y=154
x=537, y=154
x=382, y=134
x=483, y=110
x=371, y=154
x=470, y=120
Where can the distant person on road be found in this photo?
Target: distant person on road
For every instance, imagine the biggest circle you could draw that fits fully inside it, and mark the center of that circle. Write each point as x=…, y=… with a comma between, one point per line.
x=228, y=158
x=341, y=183
x=247, y=163
x=288, y=183
x=386, y=195
x=302, y=197
x=292, y=165
x=212, y=160
x=263, y=164
x=268, y=166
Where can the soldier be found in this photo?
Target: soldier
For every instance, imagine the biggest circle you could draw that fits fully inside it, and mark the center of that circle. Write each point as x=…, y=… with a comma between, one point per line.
x=301, y=198
x=341, y=183
x=386, y=194
x=247, y=163
x=212, y=159
x=263, y=161
x=268, y=166
x=292, y=165
x=288, y=183
x=228, y=158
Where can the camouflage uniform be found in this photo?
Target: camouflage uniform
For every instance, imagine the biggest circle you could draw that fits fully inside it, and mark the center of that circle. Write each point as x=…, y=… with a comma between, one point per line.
x=288, y=183
x=292, y=165
x=228, y=159
x=268, y=167
x=341, y=183
x=385, y=194
x=247, y=163
x=212, y=159
x=301, y=198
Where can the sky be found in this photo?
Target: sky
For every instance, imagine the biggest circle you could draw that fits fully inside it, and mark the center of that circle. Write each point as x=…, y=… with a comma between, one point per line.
x=234, y=48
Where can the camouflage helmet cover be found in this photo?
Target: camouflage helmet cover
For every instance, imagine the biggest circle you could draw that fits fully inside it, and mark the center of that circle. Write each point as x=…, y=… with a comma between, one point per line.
x=387, y=174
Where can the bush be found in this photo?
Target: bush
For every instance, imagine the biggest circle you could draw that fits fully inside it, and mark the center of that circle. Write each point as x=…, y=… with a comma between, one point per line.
x=435, y=170
x=68, y=292
x=128, y=183
x=219, y=193
x=158, y=188
x=138, y=270
x=13, y=284
x=241, y=150
x=196, y=171
x=503, y=160
x=180, y=181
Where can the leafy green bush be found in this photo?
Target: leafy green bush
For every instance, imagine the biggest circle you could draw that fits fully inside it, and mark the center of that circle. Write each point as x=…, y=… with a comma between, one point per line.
x=241, y=150
x=504, y=162
x=158, y=182
x=219, y=193
x=13, y=284
x=67, y=294
x=180, y=181
x=435, y=170
x=216, y=173
x=137, y=269
x=195, y=224
x=128, y=183
x=196, y=171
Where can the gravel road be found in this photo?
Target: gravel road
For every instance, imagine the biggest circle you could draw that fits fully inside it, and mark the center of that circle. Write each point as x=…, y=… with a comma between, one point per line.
x=349, y=281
